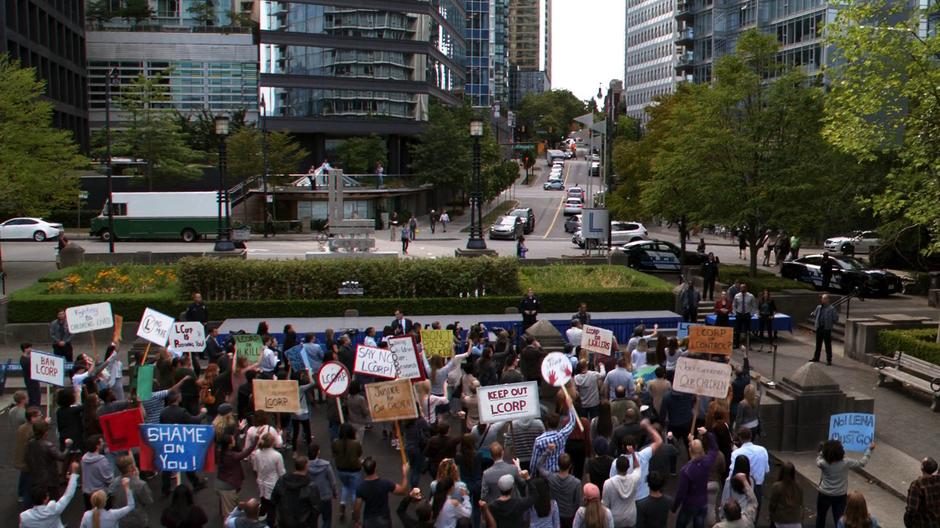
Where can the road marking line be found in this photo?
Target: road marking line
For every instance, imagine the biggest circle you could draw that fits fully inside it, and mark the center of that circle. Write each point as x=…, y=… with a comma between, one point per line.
x=561, y=204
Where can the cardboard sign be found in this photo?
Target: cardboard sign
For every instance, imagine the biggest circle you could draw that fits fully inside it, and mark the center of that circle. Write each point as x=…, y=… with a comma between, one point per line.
x=144, y=382
x=597, y=340
x=683, y=331
x=856, y=431
x=556, y=369
x=705, y=378
x=437, y=342
x=89, y=317
x=297, y=357
x=47, y=368
x=155, y=327
x=406, y=354
x=711, y=339
x=375, y=361
x=187, y=337
x=248, y=346
x=513, y=401
x=391, y=400
x=333, y=378
x=118, y=326
x=175, y=447
x=121, y=430
x=276, y=395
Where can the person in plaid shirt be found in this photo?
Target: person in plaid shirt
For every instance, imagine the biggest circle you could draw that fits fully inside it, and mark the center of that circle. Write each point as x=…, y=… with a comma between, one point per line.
x=553, y=436
x=923, y=498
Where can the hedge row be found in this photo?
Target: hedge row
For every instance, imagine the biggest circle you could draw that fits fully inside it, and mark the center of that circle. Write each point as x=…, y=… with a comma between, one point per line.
x=245, y=280
x=727, y=274
x=32, y=304
x=918, y=342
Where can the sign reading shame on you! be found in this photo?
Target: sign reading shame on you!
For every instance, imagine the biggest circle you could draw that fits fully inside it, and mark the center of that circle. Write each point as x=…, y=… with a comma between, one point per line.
x=856, y=431
x=276, y=395
x=175, y=447
x=704, y=378
x=391, y=400
x=513, y=401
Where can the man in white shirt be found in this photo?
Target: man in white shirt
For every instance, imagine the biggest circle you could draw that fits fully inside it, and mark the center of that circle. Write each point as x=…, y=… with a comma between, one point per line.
x=757, y=456
x=574, y=333
x=643, y=457
x=744, y=306
x=269, y=359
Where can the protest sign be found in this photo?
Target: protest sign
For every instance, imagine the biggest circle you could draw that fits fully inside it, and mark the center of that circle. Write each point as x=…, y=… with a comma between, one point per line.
x=248, y=346
x=683, y=330
x=406, y=354
x=856, y=431
x=556, y=369
x=333, y=378
x=155, y=327
x=186, y=337
x=647, y=373
x=297, y=357
x=47, y=368
x=121, y=430
x=705, y=378
x=144, y=382
x=597, y=340
x=276, y=395
x=176, y=447
x=710, y=339
x=501, y=403
x=89, y=317
x=391, y=400
x=437, y=342
x=375, y=361
x=118, y=326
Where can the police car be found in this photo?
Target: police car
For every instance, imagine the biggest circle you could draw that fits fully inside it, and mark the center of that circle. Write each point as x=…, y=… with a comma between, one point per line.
x=848, y=274
x=657, y=255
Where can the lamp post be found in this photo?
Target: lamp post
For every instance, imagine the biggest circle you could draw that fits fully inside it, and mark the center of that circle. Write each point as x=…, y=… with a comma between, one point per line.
x=222, y=240
x=112, y=74
x=476, y=196
x=264, y=163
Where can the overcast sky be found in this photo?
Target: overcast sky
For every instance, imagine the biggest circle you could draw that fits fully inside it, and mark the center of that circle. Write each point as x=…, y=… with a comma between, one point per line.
x=587, y=44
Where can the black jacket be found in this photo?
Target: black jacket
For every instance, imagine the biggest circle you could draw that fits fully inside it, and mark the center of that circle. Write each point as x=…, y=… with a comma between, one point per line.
x=174, y=414
x=297, y=501
x=197, y=312
x=213, y=351
x=408, y=325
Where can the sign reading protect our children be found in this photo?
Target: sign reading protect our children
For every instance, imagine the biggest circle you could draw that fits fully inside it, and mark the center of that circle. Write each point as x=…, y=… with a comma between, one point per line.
x=437, y=342
x=597, y=340
x=704, y=378
x=856, y=431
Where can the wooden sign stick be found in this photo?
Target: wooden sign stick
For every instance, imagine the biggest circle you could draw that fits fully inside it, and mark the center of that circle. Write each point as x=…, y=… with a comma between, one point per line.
x=146, y=352
x=401, y=443
x=94, y=346
x=577, y=418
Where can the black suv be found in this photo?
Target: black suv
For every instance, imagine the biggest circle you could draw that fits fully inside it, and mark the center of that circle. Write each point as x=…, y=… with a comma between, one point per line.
x=526, y=214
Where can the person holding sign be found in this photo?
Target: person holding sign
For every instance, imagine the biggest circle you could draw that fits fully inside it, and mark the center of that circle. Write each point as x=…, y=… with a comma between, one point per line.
x=32, y=387
x=834, y=483
x=554, y=437
x=174, y=414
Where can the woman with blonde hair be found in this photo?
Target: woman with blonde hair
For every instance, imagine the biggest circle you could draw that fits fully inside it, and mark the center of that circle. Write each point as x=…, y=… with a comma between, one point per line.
x=100, y=517
x=748, y=411
x=428, y=402
x=856, y=513
x=269, y=466
x=593, y=514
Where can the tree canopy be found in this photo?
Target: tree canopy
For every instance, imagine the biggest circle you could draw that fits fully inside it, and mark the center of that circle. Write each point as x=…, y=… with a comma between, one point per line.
x=548, y=115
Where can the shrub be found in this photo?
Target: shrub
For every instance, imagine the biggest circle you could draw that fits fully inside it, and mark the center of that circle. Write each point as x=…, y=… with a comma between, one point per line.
x=129, y=278
x=564, y=278
x=727, y=274
x=33, y=304
x=918, y=342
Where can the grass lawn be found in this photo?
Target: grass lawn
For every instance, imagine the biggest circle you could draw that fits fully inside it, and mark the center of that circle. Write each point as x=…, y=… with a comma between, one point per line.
x=764, y=280
x=572, y=278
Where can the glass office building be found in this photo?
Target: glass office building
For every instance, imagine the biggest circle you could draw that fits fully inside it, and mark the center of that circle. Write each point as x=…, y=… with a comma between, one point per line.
x=487, y=51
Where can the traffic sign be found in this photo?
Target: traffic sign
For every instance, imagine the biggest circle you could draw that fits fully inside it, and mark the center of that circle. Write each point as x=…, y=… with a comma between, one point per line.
x=333, y=379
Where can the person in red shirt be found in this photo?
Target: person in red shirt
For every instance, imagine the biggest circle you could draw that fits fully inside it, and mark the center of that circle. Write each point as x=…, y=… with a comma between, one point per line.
x=722, y=309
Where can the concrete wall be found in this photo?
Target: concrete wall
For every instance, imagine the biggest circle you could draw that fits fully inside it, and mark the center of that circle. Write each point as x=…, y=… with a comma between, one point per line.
x=861, y=334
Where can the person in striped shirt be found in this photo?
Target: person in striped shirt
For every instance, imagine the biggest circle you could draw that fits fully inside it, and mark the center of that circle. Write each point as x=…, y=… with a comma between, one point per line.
x=553, y=436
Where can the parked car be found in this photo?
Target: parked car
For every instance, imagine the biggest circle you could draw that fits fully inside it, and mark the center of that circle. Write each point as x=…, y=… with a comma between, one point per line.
x=848, y=274
x=575, y=191
x=657, y=255
x=556, y=184
x=569, y=153
x=573, y=206
x=857, y=242
x=595, y=168
x=573, y=223
x=620, y=233
x=527, y=216
x=508, y=227
x=24, y=228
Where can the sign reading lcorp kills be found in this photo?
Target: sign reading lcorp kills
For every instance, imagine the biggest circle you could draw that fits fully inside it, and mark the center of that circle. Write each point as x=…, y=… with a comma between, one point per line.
x=710, y=340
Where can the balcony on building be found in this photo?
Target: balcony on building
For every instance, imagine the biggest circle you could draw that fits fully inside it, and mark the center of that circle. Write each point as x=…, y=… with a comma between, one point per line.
x=684, y=62
x=684, y=11
x=685, y=36
x=685, y=78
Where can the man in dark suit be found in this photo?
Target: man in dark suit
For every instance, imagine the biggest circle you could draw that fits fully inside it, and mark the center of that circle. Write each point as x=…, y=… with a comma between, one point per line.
x=174, y=414
x=401, y=322
x=214, y=350
x=197, y=311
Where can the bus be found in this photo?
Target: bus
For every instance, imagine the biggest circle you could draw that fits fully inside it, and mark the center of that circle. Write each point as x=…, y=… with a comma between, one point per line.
x=187, y=216
x=554, y=155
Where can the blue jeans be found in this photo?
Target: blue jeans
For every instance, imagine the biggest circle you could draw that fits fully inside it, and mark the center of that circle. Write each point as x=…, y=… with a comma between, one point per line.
x=697, y=517
x=350, y=481
x=326, y=513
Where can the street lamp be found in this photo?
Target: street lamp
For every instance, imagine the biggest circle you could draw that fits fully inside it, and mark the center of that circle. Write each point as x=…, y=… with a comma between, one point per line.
x=264, y=162
x=112, y=74
x=222, y=240
x=476, y=196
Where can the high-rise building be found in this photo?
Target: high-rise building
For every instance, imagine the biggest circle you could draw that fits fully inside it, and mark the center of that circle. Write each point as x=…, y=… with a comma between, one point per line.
x=208, y=62
x=650, y=55
x=332, y=69
x=487, y=36
x=530, y=47
x=50, y=37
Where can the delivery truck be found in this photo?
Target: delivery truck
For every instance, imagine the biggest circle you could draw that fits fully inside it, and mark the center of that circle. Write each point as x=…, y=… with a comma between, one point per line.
x=186, y=216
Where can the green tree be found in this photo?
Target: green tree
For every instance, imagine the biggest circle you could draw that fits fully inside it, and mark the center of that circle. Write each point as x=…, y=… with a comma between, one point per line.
x=360, y=154
x=153, y=133
x=203, y=12
x=98, y=12
x=884, y=106
x=199, y=130
x=136, y=10
x=548, y=115
x=284, y=156
x=37, y=161
x=246, y=159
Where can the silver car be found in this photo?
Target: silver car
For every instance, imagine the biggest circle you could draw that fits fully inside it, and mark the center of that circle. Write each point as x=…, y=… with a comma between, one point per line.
x=859, y=241
x=573, y=206
x=507, y=227
x=620, y=233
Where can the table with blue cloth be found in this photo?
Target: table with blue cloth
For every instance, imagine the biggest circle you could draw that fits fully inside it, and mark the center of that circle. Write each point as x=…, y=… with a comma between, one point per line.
x=781, y=322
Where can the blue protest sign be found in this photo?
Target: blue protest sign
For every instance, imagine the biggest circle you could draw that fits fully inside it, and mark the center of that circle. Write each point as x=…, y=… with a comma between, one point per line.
x=177, y=447
x=297, y=357
x=856, y=431
x=683, y=331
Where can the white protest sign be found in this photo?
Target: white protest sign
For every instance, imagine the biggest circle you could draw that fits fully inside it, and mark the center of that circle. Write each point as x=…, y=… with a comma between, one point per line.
x=333, y=378
x=597, y=340
x=556, y=369
x=405, y=353
x=186, y=337
x=89, y=317
x=705, y=378
x=374, y=361
x=47, y=368
x=155, y=327
x=513, y=401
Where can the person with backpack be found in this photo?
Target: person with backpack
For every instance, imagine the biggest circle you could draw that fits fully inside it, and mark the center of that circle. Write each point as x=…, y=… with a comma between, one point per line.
x=295, y=498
